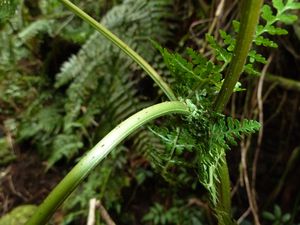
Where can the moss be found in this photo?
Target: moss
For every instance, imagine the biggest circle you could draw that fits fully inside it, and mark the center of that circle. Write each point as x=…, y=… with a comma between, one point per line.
x=18, y=216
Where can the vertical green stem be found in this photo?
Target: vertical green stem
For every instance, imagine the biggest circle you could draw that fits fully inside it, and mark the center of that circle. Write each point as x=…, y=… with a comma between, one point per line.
x=250, y=13
x=249, y=18
x=98, y=153
x=223, y=208
x=125, y=48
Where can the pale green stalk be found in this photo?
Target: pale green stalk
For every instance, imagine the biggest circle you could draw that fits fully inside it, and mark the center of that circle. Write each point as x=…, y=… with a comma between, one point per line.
x=125, y=48
x=98, y=153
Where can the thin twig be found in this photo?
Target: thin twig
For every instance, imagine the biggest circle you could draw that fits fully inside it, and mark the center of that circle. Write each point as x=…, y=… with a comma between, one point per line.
x=251, y=198
x=245, y=214
x=13, y=189
x=217, y=15
x=104, y=215
x=261, y=120
x=251, y=187
x=204, y=206
x=92, y=207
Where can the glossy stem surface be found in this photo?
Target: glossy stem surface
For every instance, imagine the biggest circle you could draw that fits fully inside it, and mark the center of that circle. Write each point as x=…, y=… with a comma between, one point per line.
x=98, y=153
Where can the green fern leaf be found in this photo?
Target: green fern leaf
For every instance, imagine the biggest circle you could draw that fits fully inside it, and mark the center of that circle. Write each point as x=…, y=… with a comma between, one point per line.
x=292, y=5
x=267, y=14
x=196, y=58
x=270, y=18
x=260, y=40
x=276, y=30
x=196, y=72
x=180, y=67
x=7, y=9
x=249, y=69
x=236, y=128
x=228, y=40
x=287, y=18
x=278, y=4
x=236, y=26
x=34, y=28
x=221, y=53
x=64, y=146
x=254, y=56
x=281, y=15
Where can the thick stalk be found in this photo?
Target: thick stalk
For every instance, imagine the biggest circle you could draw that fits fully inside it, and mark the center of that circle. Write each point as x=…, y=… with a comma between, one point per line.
x=125, y=48
x=250, y=13
x=98, y=153
x=249, y=18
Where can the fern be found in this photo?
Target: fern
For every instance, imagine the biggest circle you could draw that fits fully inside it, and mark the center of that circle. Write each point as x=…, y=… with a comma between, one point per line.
x=205, y=137
x=223, y=52
x=281, y=15
x=269, y=27
x=210, y=134
x=39, y=26
x=143, y=18
x=7, y=9
x=62, y=125
x=192, y=75
x=65, y=146
x=89, y=80
x=87, y=70
x=221, y=133
x=178, y=213
x=101, y=89
x=231, y=129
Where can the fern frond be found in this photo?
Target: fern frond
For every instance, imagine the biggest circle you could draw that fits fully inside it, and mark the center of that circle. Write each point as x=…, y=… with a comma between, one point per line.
x=85, y=74
x=281, y=15
x=143, y=18
x=64, y=146
x=7, y=9
x=146, y=142
x=222, y=54
x=39, y=26
x=192, y=75
x=282, y=8
x=235, y=128
x=270, y=18
x=98, y=70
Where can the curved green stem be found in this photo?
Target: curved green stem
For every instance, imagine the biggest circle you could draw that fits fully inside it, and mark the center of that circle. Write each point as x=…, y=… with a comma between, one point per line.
x=125, y=48
x=98, y=153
